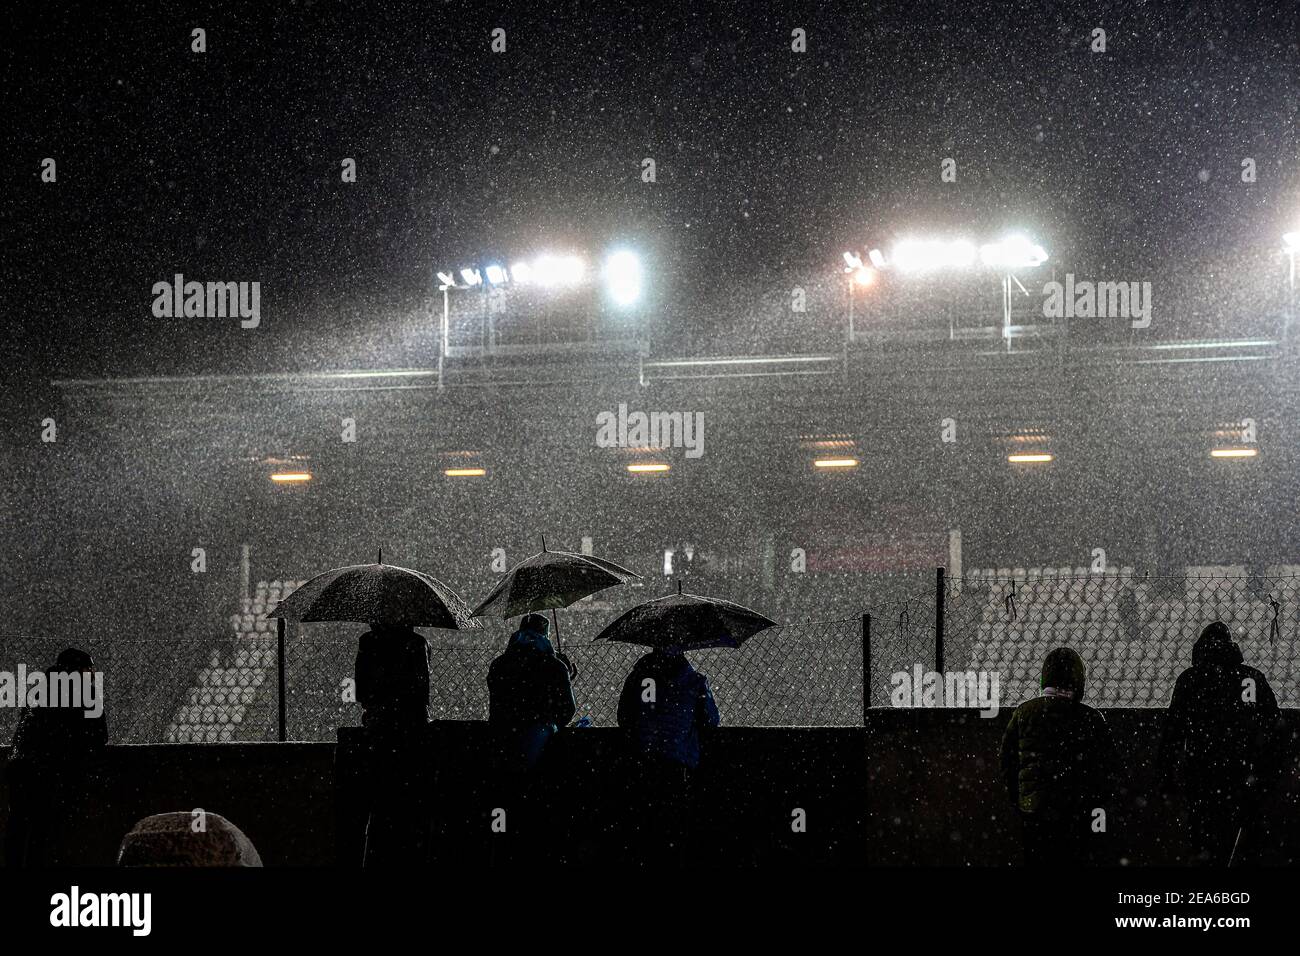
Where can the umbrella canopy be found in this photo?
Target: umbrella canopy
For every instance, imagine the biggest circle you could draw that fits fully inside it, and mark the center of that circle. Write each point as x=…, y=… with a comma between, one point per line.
x=549, y=580
x=377, y=594
x=688, y=621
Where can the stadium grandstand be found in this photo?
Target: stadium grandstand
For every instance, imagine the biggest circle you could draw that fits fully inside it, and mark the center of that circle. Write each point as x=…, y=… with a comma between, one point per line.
x=952, y=445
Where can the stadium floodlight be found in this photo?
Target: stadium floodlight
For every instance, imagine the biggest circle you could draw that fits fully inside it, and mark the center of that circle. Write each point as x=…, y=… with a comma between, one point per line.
x=1292, y=241
x=1234, y=452
x=471, y=277
x=1029, y=458
x=464, y=472
x=550, y=271
x=1013, y=252
x=521, y=272
x=864, y=275
x=930, y=255
x=447, y=279
x=835, y=463
x=290, y=477
x=649, y=467
x=495, y=274
x=623, y=277
x=852, y=261
x=877, y=258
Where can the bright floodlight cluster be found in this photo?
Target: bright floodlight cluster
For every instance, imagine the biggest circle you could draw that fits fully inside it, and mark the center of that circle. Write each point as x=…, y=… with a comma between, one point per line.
x=622, y=274
x=544, y=271
x=623, y=277
x=915, y=256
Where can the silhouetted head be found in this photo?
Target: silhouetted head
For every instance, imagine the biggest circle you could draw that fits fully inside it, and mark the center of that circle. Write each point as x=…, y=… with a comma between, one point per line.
x=71, y=660
x=536, y=623
x=1064, y=670
x=1216, y=646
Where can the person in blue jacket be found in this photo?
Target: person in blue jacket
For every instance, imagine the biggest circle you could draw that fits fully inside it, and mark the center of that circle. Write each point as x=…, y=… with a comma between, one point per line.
x=664, y=705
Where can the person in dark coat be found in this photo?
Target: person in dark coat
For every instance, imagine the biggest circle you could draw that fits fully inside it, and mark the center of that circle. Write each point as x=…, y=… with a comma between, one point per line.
x=1220, y=743
x=1059, y=766
x=664, y=705
x=392, y=682
x=392, y=674
x=56, y=751
x=529, y=699
x=529, y=696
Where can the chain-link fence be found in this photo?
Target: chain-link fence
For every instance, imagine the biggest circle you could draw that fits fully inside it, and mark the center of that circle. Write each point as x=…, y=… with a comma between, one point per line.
x=792, y=675
x=1134, y=632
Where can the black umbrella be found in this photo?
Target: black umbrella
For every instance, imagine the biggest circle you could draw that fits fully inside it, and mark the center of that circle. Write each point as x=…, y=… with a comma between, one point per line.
x=549, y=580
x=686, y=621
x=377, y=594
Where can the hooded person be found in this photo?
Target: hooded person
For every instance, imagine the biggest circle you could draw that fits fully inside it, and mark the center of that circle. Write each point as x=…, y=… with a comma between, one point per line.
x=529, y=696
x=56, y=748
x=1220, y=743
x=1059, y=765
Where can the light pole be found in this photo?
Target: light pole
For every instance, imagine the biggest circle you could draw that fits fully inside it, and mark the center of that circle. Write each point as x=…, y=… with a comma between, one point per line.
x=858, y=275
x=925, y=256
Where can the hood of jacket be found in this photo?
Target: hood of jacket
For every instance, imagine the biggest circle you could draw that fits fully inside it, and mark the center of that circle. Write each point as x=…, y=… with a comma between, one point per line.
x=528, y=640
x=1216, y=648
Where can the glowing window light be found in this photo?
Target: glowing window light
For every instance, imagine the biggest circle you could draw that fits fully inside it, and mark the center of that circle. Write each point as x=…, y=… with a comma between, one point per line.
x=648, y=467
x=1234, y=452
x=835, y=463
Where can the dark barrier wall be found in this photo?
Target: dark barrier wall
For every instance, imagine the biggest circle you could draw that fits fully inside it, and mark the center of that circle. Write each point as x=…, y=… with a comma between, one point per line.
x=280, y=795
x=289, y=801
x=916, y=787
x=935, y=794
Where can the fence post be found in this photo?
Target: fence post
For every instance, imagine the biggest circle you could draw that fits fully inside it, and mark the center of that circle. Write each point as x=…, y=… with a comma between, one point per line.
x=940, y=595
x=279, y=634
x=866, y=667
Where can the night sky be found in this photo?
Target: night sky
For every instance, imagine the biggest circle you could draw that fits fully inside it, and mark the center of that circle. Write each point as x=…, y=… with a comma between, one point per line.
x=226, y=164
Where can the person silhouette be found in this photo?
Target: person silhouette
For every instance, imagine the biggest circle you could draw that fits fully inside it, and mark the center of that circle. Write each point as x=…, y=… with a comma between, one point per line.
x=57, y=747
x=664, y=705
x=1219, y=745
x=392, y=685
x=1059, y=766
x=530, y=698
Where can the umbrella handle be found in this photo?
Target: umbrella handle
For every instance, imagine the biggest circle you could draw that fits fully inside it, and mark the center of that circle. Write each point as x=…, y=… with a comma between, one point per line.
x=555, y=624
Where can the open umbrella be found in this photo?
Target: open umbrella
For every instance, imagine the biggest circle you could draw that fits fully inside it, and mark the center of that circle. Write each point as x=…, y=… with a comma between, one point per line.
x=687, y=621
x=377, y=594
x=551, y=579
